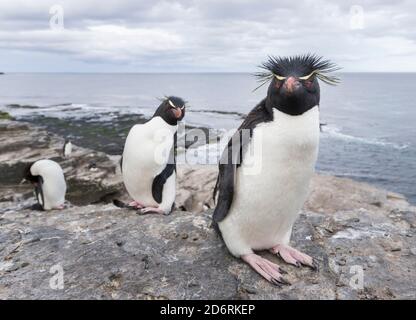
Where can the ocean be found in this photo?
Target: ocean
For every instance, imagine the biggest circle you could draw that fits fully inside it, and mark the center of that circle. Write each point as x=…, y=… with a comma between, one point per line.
x=369, y=133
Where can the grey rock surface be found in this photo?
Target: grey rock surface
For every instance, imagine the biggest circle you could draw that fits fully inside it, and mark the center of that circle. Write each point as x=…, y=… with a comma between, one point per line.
x=91, y=176
x=108, y=253
x=363, y=238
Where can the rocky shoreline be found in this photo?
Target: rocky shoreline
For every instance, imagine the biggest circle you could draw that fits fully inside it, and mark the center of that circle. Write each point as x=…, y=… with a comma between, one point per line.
x=364, y=238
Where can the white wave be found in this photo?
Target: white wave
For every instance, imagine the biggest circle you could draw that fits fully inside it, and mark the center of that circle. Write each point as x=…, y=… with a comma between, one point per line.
x=73, y=110
x=335, y=133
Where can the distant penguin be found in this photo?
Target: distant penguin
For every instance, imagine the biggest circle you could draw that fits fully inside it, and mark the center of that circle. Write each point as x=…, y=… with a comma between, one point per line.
x=92, y=166
x=67, y=149
x=264, y=175
x=149, y=174
x=49, y=182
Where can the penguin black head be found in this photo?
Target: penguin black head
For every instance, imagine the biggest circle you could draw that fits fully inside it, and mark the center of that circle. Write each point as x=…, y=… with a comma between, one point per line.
x=27, y=175
x=294, y=87
x=172, y=110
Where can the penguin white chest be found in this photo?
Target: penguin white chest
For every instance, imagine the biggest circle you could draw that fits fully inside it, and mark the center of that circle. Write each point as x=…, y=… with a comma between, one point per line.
x=145, y=155
x=272, y=182
x=67, y=149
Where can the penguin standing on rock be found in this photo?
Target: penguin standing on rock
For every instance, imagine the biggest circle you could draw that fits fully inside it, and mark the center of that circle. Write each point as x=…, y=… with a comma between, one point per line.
x=49, y=182
x=67, y=149
x=148, y=161
x=264, y=174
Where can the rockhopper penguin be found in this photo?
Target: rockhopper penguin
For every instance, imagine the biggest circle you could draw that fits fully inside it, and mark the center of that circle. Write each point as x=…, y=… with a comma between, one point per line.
x=67, y=149
x=48, y=179
x=148, y=161
x=256, y=209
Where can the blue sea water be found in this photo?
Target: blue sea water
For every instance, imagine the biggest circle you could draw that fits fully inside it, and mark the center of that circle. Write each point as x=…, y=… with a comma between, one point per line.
x=370, y=131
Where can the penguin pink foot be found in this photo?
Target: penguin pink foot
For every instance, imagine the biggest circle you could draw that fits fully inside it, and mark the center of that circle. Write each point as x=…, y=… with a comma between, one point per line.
x=293, y=256
x=152, y=210
x=136, y=204
x=268, y=270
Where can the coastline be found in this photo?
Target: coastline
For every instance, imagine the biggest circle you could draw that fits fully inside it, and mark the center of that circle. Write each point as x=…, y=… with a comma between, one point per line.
x=343, y=224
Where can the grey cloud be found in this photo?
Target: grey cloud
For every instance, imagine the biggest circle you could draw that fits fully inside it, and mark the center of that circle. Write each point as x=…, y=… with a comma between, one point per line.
x=213, y=35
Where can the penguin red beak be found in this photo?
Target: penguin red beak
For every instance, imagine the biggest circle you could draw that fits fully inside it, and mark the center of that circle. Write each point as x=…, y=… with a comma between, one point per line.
x=291, y=84
x=177, y=112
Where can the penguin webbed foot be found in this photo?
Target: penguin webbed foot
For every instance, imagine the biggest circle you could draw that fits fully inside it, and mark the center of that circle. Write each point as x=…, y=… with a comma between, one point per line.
x=267, y=269
x=295, y=257
x=139, y=207
x=134, y=205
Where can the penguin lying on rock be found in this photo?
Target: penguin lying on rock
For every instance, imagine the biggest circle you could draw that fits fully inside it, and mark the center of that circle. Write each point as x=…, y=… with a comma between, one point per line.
x=48, y=179
x=264, y=175
x=148, y=161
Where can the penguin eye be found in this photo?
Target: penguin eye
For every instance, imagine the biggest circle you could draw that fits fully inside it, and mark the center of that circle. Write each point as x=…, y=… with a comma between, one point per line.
x=183, y=107
x=280, y=78
x=307, y=77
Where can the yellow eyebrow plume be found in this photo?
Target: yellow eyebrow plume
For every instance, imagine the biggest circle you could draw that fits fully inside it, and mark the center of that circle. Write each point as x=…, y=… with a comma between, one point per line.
x=280, y=78
x=307, y=77
x=171, y=103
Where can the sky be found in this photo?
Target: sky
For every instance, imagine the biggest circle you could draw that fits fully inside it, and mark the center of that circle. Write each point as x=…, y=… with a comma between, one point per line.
x=203, y=35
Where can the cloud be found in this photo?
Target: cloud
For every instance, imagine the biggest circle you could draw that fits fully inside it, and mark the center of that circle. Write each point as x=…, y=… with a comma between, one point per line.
x=103, y=42
x=211, y=35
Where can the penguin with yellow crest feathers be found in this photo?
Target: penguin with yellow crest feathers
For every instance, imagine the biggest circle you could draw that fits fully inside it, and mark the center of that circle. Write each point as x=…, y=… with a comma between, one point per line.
x=256, y=209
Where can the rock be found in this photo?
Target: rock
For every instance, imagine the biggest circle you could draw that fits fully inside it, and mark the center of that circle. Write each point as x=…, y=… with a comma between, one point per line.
x=5, y=115
x=328, y=194
x=91, y=176
x=363, y=238
x=21, y=144
x=195, y=187
x=109, y=253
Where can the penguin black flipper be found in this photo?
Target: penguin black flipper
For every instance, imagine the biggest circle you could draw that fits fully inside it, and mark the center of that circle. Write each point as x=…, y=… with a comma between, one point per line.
x=160, y=180
x=39, y=192
x=231, y=159
x=121, y=163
